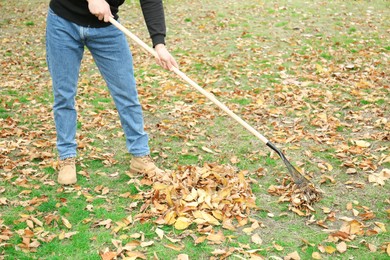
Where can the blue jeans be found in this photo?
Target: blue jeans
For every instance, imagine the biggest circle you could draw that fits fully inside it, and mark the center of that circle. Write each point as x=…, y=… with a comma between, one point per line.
x=65, y=42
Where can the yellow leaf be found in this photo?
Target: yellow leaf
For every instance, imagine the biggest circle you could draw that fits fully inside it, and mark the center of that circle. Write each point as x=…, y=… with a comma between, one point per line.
x=330, y=249
x=170, y=218
x=66, y=223
x=61, y=236
x=329, y=166
x=319, y=68
x=207, y=217
x=200, y=240
x=381, y=226
x=217, y=214
x=182, y=223
x=168, y=196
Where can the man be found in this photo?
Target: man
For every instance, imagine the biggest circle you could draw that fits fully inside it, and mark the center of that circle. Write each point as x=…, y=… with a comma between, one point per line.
x=74, y=24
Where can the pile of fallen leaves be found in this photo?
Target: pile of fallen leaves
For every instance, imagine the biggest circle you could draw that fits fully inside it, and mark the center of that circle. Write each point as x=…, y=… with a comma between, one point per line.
x=301, y=199
x=207, y=196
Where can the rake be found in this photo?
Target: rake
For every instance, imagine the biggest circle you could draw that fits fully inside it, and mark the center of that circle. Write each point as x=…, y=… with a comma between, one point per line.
x=302, y=183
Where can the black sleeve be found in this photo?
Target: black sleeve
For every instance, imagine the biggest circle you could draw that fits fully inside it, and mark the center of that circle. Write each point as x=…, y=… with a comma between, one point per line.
x=153, y=12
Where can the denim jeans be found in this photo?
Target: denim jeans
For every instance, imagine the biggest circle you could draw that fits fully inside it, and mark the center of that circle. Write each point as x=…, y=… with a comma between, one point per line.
x=65, y=42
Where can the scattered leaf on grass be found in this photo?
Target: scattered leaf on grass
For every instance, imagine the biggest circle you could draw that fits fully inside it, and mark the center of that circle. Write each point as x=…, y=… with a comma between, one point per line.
x=66, y=222
x=292, y=256
x=183, y=257
x=341, y=247
x=256, y=239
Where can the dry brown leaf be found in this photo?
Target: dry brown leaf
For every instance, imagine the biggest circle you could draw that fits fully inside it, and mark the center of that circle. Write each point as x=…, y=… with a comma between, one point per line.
x=292, y=256
x=256, y=239
x=160, y=233
x=175, y=247
x=363, y=144
x=133, y=255
x=277, y=247
x=183, y=257
x=371, y=247
x=216, y=238
x=147, y=243
x=341, y=247
x=108, y=255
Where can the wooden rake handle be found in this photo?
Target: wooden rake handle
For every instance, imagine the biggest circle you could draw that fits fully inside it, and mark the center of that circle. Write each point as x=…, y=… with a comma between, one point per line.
x=182, y=75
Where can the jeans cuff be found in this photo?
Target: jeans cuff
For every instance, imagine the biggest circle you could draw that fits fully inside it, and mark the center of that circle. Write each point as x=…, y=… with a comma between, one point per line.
x=140, y=155
x=67, y=156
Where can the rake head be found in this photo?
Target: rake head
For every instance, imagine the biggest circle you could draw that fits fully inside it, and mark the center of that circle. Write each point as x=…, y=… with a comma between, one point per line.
x=303, y=185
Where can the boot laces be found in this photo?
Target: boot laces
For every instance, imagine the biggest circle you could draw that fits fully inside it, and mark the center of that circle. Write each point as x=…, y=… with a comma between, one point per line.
x=68, y=161
x=146, y=159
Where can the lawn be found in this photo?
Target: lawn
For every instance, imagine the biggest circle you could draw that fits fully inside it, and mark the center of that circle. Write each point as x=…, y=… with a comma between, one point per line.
x=311, y=76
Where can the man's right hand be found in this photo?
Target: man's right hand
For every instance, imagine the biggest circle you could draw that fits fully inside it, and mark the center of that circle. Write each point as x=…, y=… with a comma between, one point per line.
x=100, y=9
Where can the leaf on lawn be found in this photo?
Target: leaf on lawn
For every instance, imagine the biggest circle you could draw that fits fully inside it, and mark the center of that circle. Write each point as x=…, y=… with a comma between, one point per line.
x=64, y=235
x=106, y=223
x=183, y=257
x=341, y=247
x=175, y=247
x=292, y=256
x=216, y=238
x=3, y=201
x=133, y=255
x=256, y=239
x=330, y=249
x=160, y=233
x=182, y=223
x=277, y=247
x=379, y=178
x=316, y=255
x=146, y=244
x=66, y=223
x=363, y=144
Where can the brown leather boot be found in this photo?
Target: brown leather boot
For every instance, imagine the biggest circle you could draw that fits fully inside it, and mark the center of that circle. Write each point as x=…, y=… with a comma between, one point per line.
x=144, y=165
x=67, y=174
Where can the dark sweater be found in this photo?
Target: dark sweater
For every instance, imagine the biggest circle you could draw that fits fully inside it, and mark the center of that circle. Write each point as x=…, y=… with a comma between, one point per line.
x=77, y=12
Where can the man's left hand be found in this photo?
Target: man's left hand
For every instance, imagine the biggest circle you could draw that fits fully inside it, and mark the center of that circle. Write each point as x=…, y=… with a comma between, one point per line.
x=165, y=59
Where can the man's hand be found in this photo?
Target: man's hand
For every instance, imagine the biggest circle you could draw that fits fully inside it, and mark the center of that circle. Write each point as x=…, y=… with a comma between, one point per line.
x=165, y=59
x=101, y=9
